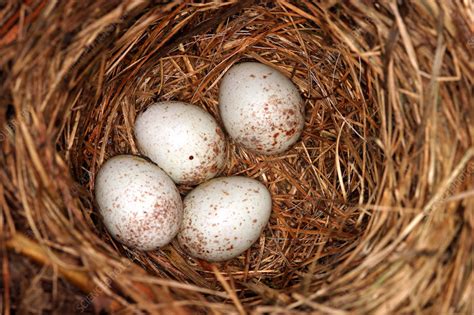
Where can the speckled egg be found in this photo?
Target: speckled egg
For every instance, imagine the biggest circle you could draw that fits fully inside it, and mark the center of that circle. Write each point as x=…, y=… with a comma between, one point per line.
x=140, y=204
x=224, y=217
x=261, y=108
x=183, y=139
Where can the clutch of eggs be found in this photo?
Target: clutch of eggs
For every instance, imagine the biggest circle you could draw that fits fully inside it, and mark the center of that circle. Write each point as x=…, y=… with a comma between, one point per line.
x=182, y=139
x=224, y=217
x=261, y=109
x=139, y=203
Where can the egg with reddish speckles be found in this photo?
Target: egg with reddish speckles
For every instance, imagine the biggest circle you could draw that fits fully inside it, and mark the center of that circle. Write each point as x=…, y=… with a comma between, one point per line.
x=224, y=217
x=140, y=204
x=261, y=108
x=183, y=139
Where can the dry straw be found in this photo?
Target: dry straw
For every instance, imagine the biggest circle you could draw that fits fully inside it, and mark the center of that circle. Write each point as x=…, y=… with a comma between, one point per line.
x=373, y=209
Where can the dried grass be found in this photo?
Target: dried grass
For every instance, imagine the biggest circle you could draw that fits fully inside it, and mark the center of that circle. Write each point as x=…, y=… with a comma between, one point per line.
x=373, y=209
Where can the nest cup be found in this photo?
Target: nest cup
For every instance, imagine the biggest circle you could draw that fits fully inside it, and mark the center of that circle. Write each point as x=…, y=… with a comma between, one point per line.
x=372, y=208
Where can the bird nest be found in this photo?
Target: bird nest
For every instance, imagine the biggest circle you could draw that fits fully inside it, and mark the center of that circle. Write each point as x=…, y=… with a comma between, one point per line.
x=372, y=208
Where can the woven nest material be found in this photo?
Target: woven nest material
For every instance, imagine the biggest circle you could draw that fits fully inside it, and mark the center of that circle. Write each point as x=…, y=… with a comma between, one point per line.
x=372, y=209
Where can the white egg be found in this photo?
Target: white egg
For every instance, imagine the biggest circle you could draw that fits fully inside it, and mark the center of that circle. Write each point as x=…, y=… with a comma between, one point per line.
x=261, y=109
x=224, y=217
x=140, y=205
x=183, y=139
